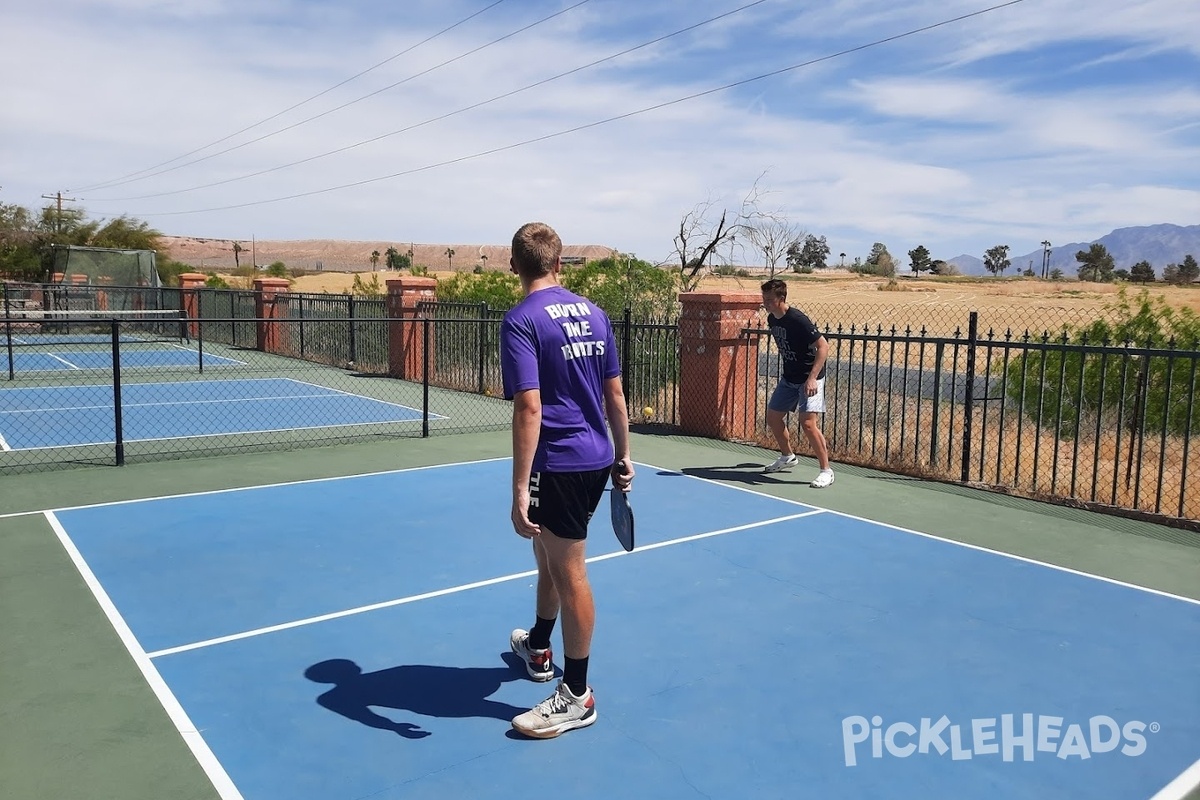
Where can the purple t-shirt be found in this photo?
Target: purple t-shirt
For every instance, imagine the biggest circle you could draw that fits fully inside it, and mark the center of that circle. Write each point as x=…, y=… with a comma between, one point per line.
x=563, y=345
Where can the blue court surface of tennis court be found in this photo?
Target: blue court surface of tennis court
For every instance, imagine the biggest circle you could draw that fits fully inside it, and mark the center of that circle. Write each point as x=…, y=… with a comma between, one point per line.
x=65, y=416
x=59, y=360
x=348, y=638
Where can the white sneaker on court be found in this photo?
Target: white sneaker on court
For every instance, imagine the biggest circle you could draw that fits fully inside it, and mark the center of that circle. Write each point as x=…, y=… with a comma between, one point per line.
x=557, y=714
x=781, y=463
x=538, y=663
x=824, y=478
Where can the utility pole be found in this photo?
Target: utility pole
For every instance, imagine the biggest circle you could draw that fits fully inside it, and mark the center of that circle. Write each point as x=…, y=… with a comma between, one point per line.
x=59, y=198
x=1045, y=259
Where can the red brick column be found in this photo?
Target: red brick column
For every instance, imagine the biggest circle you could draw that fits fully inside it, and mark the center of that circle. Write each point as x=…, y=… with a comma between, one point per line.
x=406, y=342
x=101, y=295
x=189, y=284
x=718, y=364
x=270, y=302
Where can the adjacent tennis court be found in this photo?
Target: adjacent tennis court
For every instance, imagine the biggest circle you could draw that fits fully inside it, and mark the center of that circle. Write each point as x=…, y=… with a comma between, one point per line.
x=346, y=638
x=67, y=416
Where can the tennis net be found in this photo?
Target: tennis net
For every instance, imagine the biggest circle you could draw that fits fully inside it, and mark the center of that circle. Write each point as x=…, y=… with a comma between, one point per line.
x=48, y=329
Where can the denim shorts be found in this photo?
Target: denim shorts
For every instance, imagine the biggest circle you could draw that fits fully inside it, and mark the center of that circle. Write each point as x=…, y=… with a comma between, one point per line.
x=790, y=396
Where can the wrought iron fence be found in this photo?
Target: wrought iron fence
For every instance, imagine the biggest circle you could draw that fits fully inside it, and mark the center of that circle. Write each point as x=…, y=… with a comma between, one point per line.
x=1099, y=423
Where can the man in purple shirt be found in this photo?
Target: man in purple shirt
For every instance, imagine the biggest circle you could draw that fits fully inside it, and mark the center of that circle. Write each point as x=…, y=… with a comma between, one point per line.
x=561, y=369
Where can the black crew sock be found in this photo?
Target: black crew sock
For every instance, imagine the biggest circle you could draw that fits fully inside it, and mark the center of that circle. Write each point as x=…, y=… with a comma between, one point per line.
x=539, y=637
x=575, y=675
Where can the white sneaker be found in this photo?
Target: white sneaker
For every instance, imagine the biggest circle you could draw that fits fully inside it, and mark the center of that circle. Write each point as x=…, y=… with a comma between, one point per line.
x=823, y=479
x=557, y=714
x=538, y=663
x=781, y=463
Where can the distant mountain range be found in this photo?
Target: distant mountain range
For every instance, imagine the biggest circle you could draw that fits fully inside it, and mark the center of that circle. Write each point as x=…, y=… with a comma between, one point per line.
x=1159, y=244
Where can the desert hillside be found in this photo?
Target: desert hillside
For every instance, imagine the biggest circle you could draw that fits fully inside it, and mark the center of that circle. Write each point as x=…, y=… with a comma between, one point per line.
x=328, y=255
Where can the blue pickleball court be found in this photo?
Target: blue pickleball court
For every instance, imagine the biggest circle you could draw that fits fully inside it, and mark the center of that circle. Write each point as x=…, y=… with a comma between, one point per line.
x=347, y=638
x=66, y=416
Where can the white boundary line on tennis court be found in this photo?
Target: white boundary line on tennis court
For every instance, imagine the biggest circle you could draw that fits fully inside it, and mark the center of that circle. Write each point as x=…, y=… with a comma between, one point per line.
x=463, y=588
x=935, y=537
x=231, y=489
x=1182, y=786
x=63, y=360
x=333, y=393
x=3, y=443
x=847, y=515
x=195, y=742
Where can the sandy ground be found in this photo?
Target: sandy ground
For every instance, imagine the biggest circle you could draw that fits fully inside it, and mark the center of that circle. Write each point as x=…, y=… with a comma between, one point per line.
x=321, y=255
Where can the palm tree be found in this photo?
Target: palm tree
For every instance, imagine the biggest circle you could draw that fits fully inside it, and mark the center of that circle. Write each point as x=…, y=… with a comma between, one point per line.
x=237, y=249
x=450, y=257
x=374, y=259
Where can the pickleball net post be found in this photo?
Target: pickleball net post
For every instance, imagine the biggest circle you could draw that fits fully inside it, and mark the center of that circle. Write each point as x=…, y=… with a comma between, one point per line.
x=118, y=421
x=718, y=364
x=8, y=333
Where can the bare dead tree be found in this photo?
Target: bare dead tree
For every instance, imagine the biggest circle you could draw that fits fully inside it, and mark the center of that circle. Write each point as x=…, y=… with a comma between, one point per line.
x=770, y=233
x=773, y=235
x=700, y=238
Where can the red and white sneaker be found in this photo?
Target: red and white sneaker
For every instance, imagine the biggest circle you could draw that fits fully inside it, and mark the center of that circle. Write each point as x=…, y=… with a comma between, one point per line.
x=538, y=663
x=557, y=714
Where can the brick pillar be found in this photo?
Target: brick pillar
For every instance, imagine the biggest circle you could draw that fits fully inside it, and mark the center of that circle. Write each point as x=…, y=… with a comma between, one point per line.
x=270, y=302
x=189, y=285
x=101, y=295
x=406, y=343
x=718, y=364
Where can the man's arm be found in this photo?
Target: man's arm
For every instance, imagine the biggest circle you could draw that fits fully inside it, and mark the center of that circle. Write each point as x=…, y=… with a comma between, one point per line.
x=526, y=428
x=818, y=364
x=618, y=423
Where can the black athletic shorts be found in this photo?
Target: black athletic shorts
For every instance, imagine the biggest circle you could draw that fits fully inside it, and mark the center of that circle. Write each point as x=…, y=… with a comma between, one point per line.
x=565, y=501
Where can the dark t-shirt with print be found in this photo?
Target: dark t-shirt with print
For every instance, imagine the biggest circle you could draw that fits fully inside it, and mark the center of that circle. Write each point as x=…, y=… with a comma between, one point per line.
x=796, y=336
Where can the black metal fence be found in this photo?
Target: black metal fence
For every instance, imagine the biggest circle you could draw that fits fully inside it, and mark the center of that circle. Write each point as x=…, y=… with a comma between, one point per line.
x=1099, y=423
x=1109, y=424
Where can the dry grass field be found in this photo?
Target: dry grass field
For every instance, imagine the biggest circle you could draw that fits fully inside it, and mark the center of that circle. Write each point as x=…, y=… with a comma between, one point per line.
x=836, y=297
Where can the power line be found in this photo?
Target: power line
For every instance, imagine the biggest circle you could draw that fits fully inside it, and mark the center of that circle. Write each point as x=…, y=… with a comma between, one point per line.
x=598, y=123
x=447, y=115
x=124, y=178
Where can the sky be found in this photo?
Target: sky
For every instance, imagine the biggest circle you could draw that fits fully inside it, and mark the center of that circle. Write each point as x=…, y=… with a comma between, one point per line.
x=953, y=124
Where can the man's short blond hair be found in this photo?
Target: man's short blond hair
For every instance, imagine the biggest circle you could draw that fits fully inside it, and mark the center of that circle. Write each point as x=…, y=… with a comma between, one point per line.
x=536, y=248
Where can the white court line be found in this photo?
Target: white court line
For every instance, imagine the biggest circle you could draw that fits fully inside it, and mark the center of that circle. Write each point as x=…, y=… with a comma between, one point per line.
x=945, y=540
x=361, y=396
x=166, y=403
x=208, y=761
x=63, y=360
x=1182, y=786
x=3, y=443
x=210, y=492
x=463, y=588
x=219, y=434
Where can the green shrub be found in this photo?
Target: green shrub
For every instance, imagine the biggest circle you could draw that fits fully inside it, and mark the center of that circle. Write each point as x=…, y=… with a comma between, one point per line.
x=1033, y=380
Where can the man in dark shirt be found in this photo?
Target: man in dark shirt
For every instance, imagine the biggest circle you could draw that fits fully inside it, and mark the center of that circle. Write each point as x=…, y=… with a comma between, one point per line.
x=802, y=350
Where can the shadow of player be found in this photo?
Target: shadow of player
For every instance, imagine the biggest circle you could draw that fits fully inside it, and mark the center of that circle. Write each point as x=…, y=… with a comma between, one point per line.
x=430, y=691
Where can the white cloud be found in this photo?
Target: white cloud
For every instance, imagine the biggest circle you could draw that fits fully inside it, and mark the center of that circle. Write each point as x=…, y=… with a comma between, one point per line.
x=945, y=139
